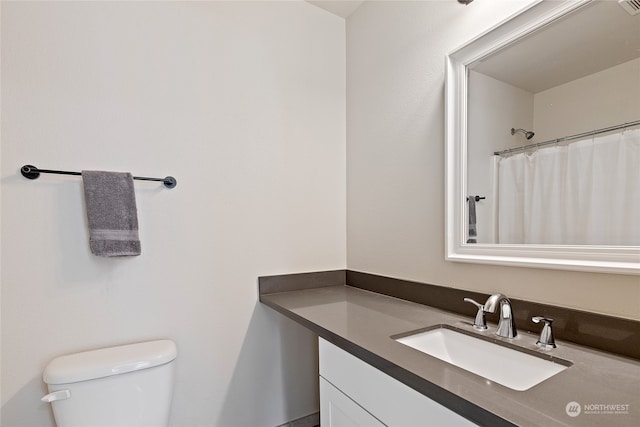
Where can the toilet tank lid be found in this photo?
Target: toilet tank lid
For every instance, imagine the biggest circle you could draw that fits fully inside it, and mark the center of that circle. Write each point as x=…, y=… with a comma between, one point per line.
x=106, y=362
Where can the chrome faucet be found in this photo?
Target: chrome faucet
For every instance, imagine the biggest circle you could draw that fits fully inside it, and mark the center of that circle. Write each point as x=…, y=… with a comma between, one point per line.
x=546, y=336
x=479, y=323
x=507, y=322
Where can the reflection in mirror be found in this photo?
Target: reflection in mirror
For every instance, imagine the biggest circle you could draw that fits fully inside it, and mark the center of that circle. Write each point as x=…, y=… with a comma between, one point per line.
x=542, y=105
x=543, y=122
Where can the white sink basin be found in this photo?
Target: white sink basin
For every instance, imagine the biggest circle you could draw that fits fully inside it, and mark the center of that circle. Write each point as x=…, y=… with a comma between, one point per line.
x=511, y=368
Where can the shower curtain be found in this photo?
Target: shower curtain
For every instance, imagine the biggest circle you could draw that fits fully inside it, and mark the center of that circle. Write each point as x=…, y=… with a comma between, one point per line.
x=584, y=193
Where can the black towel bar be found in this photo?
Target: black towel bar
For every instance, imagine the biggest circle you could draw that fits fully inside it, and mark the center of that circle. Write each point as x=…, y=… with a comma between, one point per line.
x=32, y=172
x=477, y=198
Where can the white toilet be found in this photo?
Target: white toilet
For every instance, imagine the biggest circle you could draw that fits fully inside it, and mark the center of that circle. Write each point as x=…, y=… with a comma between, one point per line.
x=128, y=385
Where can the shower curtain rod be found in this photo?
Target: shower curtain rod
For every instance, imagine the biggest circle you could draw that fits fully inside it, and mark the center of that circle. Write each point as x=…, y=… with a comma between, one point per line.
x=567, y=138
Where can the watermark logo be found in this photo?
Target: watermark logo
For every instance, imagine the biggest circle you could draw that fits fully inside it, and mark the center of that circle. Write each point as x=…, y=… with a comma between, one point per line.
x=607, y=408
x=573, y=409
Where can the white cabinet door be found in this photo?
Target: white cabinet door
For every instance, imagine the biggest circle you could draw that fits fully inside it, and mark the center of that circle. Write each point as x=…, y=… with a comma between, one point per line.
x=337, y=410
x=387, y=399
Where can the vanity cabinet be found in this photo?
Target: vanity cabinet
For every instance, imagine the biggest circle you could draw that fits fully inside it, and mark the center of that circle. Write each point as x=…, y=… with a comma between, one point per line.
x=354, y=393
x=338, y=410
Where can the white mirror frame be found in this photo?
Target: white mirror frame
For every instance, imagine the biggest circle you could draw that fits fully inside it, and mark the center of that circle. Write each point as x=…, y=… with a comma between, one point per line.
x=609, y=259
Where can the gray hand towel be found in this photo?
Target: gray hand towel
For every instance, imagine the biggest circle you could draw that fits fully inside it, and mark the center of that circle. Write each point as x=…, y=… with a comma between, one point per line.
x=472, y=220
x=111, y=210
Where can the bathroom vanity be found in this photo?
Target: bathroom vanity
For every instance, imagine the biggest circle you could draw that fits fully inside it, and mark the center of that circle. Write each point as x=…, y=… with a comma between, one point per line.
x=368, y=377
x=353, y=393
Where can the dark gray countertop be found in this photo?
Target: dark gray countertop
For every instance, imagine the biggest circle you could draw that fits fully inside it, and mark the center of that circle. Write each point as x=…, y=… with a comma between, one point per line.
x=363, y=322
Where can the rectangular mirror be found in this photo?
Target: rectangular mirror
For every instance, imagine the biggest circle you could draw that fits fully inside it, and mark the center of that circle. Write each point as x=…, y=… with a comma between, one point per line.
x=543, y=140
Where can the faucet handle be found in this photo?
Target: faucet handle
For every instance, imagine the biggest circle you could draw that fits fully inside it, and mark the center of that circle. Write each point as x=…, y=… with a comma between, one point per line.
x=546, y=339
x=479, y=322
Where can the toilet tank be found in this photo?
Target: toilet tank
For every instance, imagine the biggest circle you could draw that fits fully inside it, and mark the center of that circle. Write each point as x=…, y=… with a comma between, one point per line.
x=127, y=385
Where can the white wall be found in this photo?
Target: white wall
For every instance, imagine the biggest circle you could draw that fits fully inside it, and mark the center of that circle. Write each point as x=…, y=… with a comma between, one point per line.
x=494, y=107
x=395, y=156
x=607, y=98
x=244, y=103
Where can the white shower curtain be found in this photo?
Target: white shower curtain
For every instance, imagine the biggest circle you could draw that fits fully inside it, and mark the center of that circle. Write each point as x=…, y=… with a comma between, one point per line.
x=584, y=193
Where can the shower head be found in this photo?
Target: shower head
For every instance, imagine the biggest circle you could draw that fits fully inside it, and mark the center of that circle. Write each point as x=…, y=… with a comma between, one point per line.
x=527, y=134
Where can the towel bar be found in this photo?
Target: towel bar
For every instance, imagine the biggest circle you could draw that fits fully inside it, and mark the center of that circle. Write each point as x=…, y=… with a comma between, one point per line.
x=32, y=172
x=477, y=198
